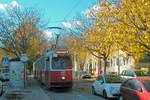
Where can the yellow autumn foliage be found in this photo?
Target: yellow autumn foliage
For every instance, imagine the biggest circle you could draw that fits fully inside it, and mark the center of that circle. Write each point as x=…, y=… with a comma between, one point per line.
x=128, y=23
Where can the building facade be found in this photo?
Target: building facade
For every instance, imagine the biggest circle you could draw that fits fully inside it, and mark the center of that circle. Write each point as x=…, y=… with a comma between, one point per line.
x=119, y=59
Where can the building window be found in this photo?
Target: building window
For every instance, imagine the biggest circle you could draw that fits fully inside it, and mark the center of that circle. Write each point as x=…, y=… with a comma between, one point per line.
x=124, y=60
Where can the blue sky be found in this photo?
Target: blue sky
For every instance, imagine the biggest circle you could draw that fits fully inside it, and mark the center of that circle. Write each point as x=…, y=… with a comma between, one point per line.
x=55, y=11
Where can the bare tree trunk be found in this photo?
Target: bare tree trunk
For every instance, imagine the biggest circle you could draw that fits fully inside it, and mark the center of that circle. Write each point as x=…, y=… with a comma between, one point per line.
x=105, y=64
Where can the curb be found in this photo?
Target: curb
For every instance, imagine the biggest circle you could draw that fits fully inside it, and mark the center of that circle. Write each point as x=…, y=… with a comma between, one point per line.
x=3, y=95
x=47, y=98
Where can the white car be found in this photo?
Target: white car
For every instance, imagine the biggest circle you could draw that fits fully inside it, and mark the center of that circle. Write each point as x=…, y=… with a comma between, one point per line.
x=107, y=85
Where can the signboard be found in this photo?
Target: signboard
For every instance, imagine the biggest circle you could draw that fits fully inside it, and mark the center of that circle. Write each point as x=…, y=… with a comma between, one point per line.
x=5, y=61
x=17, y=74
x=61, y=51
x=53, y=46
x=24, y=58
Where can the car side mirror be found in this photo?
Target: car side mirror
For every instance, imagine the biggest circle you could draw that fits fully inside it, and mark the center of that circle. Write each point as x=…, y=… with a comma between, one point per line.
x=139, y=90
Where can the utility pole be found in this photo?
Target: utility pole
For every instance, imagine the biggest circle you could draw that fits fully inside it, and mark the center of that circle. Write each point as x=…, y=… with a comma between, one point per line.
x=24, y=58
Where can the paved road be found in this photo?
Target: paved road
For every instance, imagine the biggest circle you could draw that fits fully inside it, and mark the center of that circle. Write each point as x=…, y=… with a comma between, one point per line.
x=63, y=94
x=79, y=92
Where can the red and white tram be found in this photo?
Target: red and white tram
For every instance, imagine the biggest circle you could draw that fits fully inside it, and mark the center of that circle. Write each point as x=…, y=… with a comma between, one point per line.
x=54, y=69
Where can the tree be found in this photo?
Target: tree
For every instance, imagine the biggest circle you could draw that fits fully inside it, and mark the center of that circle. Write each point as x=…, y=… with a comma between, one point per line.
x=73, y=38
x=95, y=36
x=134, y=21
x=131, y=25
x=22, y=32
x=77, y=49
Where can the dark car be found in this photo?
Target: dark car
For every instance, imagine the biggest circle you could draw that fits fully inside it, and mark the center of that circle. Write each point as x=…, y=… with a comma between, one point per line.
x=84, y=75
x=135, y=89
x=4, y=74
x=1, y=87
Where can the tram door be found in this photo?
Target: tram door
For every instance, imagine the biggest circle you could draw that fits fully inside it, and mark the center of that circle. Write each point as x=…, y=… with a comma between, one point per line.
x=47, y=72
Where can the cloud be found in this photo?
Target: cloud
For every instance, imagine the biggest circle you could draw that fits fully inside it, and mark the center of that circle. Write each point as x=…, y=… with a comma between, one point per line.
x=3, y=6
x=12, y=5
x=67, y=24
x=77, y=23
x=15, y=4
x=48, y=34
x=90, y=13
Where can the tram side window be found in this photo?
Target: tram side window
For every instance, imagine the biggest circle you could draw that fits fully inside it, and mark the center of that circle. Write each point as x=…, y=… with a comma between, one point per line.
x=47, y=63
x=64, y=62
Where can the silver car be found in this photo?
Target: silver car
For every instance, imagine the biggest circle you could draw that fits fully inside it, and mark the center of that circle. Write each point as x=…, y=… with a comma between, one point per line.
x=125, y=74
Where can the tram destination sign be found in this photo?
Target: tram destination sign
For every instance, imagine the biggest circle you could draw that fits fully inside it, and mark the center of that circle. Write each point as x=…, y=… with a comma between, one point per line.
x=61, y=51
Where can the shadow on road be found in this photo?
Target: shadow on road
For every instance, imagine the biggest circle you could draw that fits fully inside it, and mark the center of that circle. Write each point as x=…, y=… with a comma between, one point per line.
x=61, y=90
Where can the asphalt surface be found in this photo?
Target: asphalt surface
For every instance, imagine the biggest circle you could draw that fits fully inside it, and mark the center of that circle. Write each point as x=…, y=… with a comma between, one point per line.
x=81, y=91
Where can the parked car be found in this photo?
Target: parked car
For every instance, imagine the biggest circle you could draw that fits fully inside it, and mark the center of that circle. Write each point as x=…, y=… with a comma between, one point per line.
x=1, y=87
x=135, y=89
x=131, y=74
x=84, y=75
x=4, y=74
x=128, y=74
x=107, y=85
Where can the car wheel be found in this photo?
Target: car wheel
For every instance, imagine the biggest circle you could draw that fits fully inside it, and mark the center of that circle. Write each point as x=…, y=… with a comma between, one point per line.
x=104, y=94
x=93, y=91
x=121, y=98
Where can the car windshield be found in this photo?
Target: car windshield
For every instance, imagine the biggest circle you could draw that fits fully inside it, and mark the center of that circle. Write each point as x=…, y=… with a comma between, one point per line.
x=62, y=62
x=130, y=73
x=113, y=79
x=147, y=85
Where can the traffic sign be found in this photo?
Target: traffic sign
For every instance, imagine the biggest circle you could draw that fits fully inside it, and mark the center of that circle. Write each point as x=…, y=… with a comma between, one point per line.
x=24, y=58
x=5, y=61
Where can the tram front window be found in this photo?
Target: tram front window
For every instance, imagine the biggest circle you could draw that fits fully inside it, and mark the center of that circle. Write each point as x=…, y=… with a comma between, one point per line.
x=64, y=62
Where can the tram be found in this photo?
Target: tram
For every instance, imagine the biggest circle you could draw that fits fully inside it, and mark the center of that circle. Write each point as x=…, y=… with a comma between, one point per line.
x=54, y=69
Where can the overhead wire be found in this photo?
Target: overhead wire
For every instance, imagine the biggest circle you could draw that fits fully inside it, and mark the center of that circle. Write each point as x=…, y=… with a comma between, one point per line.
x=72, y=9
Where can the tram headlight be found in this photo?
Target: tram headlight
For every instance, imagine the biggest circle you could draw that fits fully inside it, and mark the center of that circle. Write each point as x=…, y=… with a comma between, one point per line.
x=63, y=78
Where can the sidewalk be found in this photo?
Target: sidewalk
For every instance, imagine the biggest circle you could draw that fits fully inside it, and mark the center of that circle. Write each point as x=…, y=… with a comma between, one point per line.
x=33, y=91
